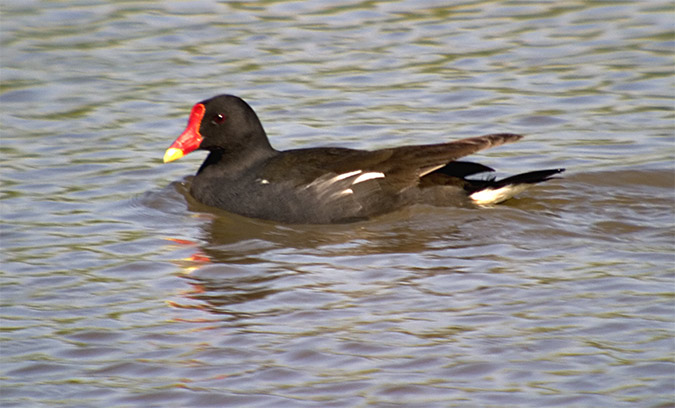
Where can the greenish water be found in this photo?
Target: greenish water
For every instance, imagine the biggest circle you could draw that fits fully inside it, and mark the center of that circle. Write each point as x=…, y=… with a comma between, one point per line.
x=118, y=290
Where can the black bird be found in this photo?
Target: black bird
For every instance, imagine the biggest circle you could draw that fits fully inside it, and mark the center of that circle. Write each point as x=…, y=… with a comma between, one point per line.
x=245, y=175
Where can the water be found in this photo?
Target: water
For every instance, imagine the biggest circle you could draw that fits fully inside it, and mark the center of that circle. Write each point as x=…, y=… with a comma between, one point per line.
x=118, y=290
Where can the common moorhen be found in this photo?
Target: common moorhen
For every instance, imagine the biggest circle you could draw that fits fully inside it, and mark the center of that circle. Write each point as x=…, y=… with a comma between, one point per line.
x=245, y=175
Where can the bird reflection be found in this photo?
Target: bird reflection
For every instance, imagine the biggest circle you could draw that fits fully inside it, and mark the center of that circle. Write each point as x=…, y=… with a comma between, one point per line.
x=238, y=263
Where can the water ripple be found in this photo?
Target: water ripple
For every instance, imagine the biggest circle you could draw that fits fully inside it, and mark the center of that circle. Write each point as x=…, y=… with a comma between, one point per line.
x=116, y=286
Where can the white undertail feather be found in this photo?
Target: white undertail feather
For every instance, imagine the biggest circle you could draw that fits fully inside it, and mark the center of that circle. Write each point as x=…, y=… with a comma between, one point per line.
x=491, y=196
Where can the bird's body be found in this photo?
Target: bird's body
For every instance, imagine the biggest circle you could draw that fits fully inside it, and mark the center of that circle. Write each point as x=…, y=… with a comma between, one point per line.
x=243, y=174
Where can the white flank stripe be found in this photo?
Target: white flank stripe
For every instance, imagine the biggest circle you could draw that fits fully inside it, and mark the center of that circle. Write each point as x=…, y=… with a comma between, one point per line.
x=345, y=192
x=368, y=176
x=345, y=175
x=492, y=196
x=430, y=169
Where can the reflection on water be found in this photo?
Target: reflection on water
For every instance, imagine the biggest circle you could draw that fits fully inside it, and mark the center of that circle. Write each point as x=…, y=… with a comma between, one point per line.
x=117, y=287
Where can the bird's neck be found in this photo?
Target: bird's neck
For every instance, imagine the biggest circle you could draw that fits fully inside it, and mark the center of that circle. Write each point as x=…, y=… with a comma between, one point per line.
x=233, y=163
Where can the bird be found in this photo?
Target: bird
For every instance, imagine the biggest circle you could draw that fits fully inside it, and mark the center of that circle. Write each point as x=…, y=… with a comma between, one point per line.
x=245, y=175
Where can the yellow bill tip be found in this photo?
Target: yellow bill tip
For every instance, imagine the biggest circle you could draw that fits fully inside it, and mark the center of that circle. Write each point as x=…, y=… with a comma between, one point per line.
x=172, y=154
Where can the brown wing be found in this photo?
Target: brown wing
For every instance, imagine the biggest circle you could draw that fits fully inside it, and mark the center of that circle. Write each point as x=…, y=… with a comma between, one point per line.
x=427, y=158
x=407, y=164
x=418, y=160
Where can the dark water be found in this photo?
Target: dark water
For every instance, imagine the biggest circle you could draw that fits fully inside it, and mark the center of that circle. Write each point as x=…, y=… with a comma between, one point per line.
x=118, y=290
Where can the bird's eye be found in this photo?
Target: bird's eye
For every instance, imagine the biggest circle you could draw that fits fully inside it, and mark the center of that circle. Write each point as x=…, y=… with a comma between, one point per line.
x=218, y=119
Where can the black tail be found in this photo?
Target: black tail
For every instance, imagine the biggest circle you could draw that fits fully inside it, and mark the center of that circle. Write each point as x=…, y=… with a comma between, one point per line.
x=487, y=191
x=491, y=191
x=531, y=177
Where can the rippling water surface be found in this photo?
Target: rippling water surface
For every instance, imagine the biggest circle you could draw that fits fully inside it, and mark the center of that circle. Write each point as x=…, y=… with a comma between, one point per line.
x=119, y=290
